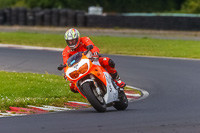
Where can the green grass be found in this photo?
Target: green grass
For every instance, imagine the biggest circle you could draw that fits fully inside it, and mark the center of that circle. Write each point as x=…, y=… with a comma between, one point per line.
x=112, y=45
x=22, y=89
x=148, y=47
x=32, y=39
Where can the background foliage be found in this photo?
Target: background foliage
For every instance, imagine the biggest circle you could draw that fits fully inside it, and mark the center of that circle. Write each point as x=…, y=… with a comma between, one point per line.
x=112, y=6
x=191, y=6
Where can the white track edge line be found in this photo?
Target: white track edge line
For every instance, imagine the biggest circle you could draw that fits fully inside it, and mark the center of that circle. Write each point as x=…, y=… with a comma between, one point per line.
x=144, y=92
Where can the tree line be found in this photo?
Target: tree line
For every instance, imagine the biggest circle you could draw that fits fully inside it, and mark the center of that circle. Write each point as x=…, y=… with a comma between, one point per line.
x=112, y=6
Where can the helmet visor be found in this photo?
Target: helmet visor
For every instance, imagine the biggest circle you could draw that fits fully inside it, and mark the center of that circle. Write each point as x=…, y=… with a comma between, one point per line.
x=72, y=43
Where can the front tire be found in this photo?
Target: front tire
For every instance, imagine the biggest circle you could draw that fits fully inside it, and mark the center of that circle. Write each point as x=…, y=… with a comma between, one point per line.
x=122, y=104
x=97, y=102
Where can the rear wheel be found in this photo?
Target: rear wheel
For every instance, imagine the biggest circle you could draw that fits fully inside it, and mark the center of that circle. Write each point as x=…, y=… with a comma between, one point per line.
x=122, y=104
x=93, y=97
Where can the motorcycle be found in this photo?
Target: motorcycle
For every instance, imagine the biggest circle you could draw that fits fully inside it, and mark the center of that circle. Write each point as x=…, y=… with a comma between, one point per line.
x=94, y=82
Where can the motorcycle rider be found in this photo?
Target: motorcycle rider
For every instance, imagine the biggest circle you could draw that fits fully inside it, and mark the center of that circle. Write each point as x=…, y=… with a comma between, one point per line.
x=75, y=44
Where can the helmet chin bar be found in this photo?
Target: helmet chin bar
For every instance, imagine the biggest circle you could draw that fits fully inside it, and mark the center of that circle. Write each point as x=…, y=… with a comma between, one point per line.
x=72, y=47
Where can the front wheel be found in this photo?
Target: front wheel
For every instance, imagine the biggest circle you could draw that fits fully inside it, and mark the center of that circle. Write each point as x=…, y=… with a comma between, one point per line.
x=94, y=99
x=122, y=104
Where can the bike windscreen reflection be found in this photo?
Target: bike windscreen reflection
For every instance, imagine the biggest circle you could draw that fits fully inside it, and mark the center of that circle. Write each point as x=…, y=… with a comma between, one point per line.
x=74, y=59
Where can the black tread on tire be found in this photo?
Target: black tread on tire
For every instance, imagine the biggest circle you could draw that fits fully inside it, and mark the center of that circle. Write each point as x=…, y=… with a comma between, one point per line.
x=123, y=103
x=97, y=105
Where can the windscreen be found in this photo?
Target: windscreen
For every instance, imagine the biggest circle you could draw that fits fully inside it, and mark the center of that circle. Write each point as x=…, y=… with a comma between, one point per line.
x=74, y=59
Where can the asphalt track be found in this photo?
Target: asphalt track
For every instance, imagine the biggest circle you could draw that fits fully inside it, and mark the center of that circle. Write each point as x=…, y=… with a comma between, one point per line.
x=172, y=106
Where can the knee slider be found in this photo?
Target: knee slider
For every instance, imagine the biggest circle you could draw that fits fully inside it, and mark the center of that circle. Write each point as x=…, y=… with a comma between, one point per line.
x=111, y=63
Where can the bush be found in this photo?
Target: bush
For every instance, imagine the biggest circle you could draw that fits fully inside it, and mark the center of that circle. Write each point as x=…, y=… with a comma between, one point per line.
x=191, y=6
x=113, y=6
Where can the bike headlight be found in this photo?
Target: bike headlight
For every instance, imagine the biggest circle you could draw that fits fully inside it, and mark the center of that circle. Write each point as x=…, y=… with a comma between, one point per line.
x=74, y=74
x=83, y=69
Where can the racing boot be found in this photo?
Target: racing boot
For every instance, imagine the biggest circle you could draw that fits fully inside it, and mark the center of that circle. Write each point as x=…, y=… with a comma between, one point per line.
x=117, y=80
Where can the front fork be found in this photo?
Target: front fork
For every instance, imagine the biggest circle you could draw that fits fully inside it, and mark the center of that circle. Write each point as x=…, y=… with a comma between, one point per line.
x=98, y=90
x=91, y=78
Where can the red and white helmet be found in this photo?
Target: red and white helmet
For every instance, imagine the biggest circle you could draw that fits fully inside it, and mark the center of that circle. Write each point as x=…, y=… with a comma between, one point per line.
x=72, y=37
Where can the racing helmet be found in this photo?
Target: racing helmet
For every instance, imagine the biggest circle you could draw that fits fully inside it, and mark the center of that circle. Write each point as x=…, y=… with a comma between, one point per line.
x=72, y=38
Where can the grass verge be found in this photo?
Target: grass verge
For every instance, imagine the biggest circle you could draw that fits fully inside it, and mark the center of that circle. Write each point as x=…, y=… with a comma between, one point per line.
x=112, y=45
x=22, y=89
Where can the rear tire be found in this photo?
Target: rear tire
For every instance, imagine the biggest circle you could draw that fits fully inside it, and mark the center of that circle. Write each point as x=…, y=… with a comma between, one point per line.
x=123, y=103
x=98, y=105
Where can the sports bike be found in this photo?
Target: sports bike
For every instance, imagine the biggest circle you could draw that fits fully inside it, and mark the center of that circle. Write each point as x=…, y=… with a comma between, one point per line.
x=94, y=82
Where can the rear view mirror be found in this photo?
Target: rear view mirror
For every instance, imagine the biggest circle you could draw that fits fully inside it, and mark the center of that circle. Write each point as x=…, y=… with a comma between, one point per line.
x=60, y=67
